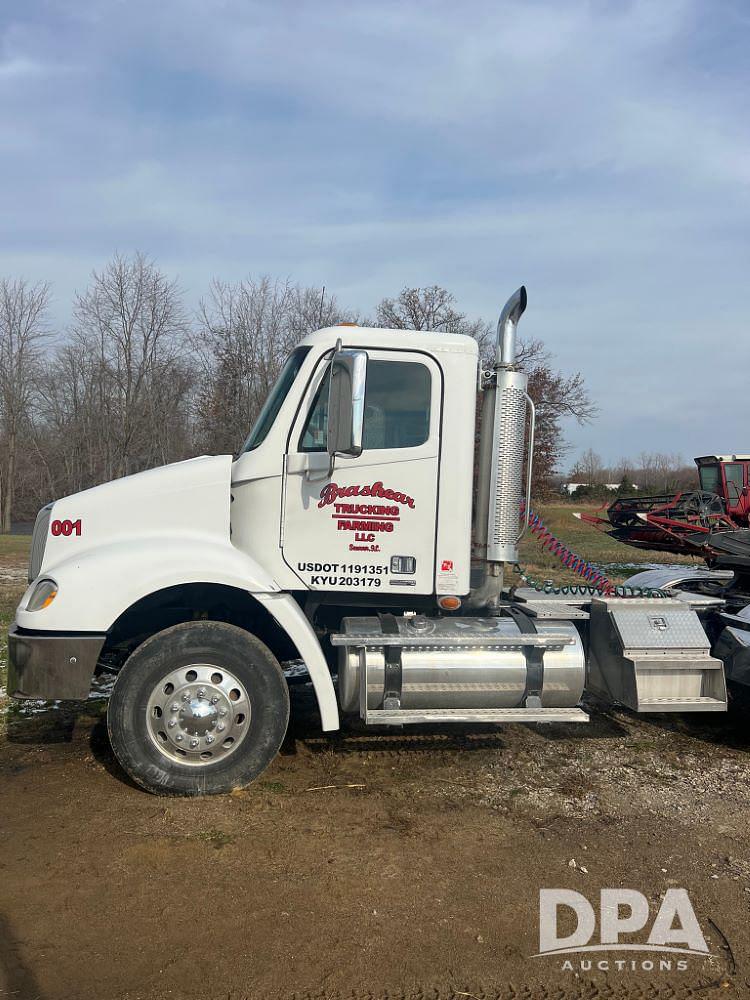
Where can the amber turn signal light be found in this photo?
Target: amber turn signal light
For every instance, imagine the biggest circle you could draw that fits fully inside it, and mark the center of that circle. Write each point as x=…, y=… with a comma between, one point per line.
x=449, y=603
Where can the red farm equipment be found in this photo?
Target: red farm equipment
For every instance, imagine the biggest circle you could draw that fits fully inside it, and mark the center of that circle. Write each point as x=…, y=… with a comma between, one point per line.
x=683, y=521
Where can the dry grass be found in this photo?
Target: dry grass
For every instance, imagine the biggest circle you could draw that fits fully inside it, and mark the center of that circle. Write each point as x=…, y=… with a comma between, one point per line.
x=14, y=557
x=620, y=561
x=15, y=548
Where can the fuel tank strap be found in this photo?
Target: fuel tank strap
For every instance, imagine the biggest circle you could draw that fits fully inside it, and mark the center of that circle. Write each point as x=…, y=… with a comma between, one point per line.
x=393, y=679
x=532, y=695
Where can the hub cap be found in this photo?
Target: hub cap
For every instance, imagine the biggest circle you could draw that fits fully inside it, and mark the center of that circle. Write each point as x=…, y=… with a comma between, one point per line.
x=198, y=714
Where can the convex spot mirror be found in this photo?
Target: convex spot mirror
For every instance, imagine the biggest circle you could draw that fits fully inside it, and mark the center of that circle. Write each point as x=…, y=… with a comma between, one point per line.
x=346, y=402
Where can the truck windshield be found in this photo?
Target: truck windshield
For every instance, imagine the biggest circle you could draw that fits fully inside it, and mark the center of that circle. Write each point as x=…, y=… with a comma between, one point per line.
x=276, y=397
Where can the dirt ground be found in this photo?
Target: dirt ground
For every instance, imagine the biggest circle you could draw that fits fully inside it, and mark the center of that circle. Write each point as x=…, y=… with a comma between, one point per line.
x=365, y=866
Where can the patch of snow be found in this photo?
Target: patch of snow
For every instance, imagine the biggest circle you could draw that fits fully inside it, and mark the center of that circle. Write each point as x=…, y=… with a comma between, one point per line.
x=295, y=670
x=12, y=573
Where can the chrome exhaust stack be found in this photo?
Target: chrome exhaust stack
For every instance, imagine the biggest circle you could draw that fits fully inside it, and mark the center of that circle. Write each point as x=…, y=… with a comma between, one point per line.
x=502, y=457
x=513, y=310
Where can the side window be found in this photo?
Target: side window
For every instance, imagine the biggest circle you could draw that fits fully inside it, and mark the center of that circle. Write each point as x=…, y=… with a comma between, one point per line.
x=397, y=405
x=709, y=477
x=316, y=428
x=397, y=408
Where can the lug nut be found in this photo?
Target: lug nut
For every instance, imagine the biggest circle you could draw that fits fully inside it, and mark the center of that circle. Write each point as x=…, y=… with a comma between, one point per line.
x=209, y=739
x=194, y=743
x=201, y=692
x=172, y=723
x=186, y=696
x=222, y=712
x=179, y=737
x=220, y=728
x=215, y=699
x=174, y=707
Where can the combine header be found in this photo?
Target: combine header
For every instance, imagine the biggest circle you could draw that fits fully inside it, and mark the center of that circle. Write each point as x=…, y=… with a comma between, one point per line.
x=683, y=522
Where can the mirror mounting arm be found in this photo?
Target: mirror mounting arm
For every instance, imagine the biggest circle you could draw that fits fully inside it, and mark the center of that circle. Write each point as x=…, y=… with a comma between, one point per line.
x=319, y=477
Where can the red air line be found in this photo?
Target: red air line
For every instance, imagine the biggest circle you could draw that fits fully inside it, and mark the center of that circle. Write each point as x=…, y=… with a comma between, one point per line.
x=570, y=560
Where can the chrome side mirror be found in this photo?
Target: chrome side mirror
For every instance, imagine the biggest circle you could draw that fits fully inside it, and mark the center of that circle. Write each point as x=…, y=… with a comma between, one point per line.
x=346, y=402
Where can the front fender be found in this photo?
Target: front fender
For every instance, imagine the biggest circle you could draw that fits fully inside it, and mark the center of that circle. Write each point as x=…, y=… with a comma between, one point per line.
x=291, y=618
x=97, y=586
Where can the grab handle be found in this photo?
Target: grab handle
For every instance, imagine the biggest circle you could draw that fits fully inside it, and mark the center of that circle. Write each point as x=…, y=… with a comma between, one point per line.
x=529, y=465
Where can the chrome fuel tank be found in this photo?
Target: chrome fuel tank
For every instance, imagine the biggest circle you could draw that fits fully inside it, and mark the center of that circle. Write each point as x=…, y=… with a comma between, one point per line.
x=462, y=663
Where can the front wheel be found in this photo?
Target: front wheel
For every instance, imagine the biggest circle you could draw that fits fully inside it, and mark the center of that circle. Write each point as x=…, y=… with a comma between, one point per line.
x=198, y=709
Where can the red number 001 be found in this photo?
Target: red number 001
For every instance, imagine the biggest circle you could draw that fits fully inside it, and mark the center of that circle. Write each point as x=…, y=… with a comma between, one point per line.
x=66, y=528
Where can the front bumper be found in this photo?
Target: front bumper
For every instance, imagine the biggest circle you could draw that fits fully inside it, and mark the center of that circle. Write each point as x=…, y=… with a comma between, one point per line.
x=51, y=665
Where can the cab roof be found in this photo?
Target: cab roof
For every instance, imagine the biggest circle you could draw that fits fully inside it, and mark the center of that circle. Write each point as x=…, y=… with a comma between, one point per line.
x=723, y=458
x=374, y=336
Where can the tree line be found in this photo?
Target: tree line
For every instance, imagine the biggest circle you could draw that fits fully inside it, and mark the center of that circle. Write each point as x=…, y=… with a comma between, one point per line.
x=649, y=472
x=137, y=380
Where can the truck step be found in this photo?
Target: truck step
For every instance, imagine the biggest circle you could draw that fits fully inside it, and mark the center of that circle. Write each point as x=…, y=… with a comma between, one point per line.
x=682, y=705
x=558, y=610
x=403, y=717
x=521, y=640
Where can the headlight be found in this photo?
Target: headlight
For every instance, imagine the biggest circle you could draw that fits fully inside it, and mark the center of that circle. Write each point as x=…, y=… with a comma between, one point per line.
x=42, y=596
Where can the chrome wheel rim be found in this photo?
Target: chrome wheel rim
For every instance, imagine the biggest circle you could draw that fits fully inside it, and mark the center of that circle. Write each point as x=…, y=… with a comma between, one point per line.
x=198, y=714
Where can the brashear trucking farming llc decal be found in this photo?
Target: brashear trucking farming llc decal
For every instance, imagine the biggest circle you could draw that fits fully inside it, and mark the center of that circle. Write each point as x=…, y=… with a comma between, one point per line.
x=365, y=520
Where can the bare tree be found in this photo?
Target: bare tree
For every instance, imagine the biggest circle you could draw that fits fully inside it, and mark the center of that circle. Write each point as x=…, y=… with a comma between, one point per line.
x=589, y=469
x=661, y=472
x=245, y=334
x=131, y=326
x=623, y=472
x=131, y=386
x=555, y=395
x=22, y=332
x=430, y=308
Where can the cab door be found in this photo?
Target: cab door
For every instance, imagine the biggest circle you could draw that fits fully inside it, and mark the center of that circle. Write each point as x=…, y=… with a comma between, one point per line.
x=368, y=526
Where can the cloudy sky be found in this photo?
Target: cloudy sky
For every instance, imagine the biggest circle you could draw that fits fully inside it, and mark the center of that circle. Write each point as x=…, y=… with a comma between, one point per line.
x=597, y=151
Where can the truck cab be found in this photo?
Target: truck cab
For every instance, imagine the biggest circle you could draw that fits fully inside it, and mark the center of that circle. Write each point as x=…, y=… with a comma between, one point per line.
x=727, y=477
x=393, y=516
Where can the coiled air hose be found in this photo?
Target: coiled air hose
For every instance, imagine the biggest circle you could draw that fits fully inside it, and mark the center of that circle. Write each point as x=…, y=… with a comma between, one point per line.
x=598, y=584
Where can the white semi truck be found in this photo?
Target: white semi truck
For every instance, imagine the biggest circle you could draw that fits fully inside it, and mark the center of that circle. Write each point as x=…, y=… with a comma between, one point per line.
x=341, y=536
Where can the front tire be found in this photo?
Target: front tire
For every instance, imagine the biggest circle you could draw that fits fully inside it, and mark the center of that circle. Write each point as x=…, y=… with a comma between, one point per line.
x=198, y=709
